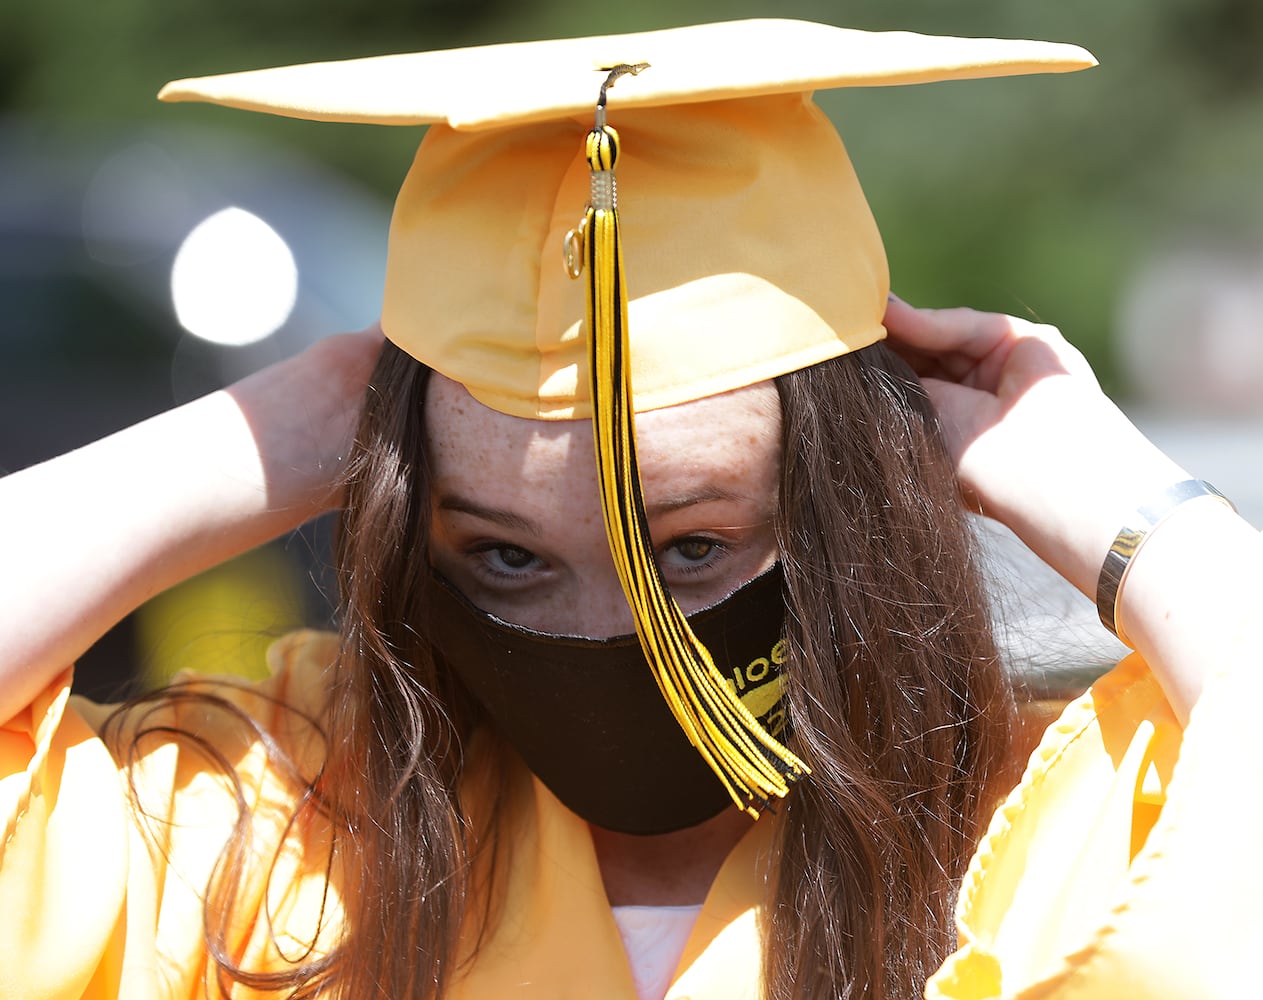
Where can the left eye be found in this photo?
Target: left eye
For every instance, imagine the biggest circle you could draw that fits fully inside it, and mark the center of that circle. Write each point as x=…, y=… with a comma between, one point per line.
x=692, y=558
x=694, y=549
x=514, y=557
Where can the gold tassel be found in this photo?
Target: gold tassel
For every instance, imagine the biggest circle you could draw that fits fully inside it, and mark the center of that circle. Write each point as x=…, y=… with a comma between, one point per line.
x=754, y=767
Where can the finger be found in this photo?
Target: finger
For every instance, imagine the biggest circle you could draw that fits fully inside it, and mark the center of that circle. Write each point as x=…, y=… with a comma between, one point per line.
x=975, y=348
x=951, y=365
x=941, y=331
x=920, y=362
x=963, y=413
x=1040, y=353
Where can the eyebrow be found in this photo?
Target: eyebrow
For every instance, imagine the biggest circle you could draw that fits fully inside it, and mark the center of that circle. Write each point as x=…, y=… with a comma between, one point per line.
x=504, y=518
x=463, y=505
x=706, y=494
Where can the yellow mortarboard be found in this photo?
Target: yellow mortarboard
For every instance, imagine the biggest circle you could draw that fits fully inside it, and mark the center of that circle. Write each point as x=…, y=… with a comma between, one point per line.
x=723, y=140
x=750, y=248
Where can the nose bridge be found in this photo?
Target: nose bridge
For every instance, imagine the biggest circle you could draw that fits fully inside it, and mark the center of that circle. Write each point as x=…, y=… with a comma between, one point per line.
x=601, y=609
x=590, y=602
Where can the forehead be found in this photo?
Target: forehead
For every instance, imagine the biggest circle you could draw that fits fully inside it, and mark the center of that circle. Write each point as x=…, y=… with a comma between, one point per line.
x=472, y=447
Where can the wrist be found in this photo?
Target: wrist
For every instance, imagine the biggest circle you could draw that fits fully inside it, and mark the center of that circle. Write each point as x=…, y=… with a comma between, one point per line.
x=1069, y=511
x=1136, y=531
x=303, y=414
x=1192, y=596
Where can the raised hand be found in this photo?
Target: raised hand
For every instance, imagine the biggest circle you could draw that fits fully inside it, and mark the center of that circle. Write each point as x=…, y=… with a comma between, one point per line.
x=1040, y=447
x=1037, y=444
x=89, y=536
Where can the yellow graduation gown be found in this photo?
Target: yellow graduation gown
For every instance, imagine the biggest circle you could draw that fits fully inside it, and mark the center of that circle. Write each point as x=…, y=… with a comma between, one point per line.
x=1121, y=866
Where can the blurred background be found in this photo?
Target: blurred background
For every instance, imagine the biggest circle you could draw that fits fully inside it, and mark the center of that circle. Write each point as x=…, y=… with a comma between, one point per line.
x=150, y=253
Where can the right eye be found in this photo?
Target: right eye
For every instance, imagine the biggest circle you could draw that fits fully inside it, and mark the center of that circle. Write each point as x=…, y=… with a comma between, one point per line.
x=507, y=560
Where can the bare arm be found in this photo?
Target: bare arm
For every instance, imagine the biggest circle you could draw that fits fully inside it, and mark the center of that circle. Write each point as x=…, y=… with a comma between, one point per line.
x=1040, y=447
x=91, y=535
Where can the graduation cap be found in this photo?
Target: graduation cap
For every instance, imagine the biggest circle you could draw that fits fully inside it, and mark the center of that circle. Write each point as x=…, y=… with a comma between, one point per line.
x=598, y=226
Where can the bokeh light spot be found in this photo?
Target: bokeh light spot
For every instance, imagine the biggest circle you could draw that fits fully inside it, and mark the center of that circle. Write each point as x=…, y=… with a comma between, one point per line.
x=234, y=280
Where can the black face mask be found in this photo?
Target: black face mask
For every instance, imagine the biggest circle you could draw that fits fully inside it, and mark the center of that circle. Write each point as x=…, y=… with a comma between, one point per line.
x=587, y=717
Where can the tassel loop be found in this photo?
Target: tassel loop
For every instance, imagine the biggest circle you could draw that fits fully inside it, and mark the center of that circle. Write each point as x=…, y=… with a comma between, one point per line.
x=614, y=73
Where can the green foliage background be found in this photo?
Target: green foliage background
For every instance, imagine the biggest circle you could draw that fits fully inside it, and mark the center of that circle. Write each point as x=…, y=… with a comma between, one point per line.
x=1036, y=195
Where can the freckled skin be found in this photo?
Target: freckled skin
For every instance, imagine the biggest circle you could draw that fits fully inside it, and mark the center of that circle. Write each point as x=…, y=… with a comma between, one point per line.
x=709, y=471
x=544, y=472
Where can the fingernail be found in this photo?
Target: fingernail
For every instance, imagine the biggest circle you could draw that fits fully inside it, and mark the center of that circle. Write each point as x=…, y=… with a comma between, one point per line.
x=894, y=298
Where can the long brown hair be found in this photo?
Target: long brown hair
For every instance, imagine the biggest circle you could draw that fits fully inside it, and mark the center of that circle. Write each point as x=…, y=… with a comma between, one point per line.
x=894, y=691
x=898, y=701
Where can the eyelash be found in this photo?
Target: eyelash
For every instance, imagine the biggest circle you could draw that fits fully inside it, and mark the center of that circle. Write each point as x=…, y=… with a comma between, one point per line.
x=716, y=551
x=482, y=551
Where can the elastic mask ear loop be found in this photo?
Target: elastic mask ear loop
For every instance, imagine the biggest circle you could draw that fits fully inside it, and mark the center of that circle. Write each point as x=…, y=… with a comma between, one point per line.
x=752, y=766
